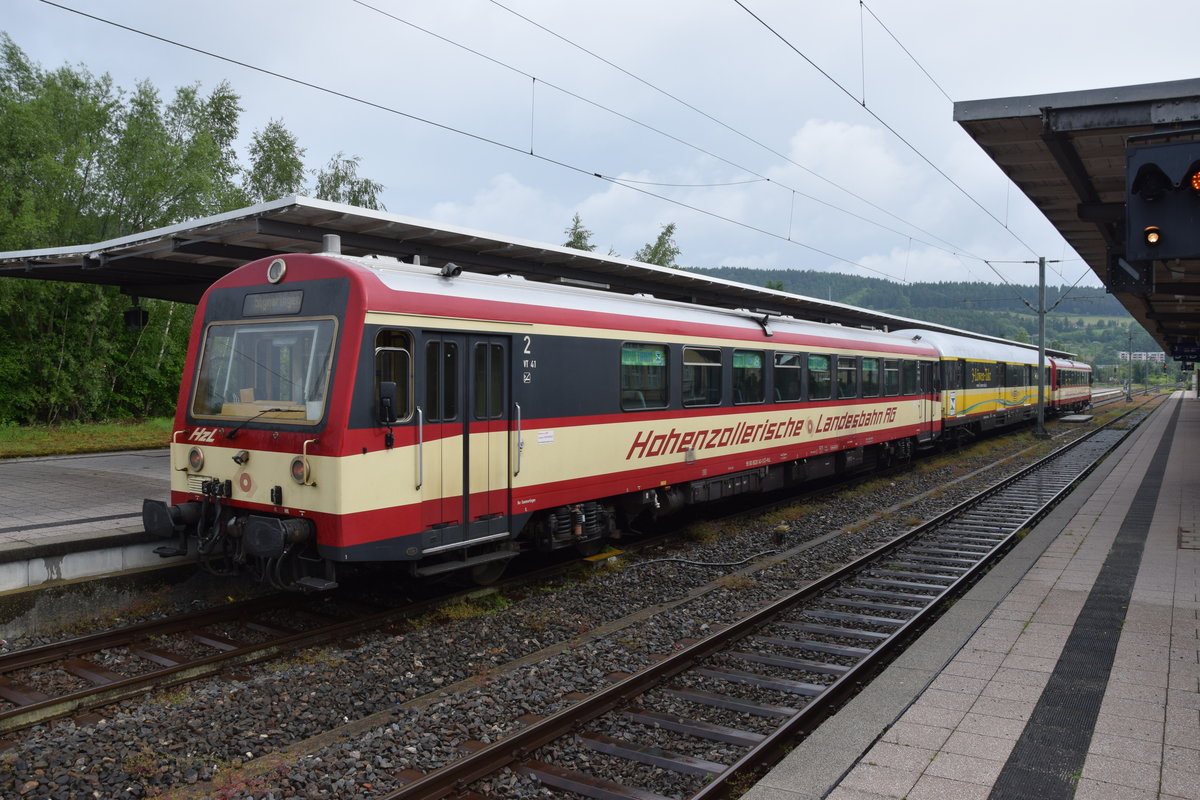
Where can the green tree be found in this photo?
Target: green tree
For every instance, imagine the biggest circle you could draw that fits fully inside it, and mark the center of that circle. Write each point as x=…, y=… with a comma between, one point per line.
x=54, y=135
x=578, y=236
x=662, y=251
x=201, y=132
x=339, y=182
x=82, y=161
x=776, y=285
x=139, y=174
x=276, y=164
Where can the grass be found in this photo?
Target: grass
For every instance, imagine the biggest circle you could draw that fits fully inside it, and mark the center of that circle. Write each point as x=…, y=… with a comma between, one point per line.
x=48, y=440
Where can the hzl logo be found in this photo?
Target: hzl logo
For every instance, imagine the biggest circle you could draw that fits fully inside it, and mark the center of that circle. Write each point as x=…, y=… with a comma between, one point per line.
x=203, y=435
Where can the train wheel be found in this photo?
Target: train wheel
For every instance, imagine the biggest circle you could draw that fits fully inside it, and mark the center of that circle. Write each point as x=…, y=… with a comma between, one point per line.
x=488, y=573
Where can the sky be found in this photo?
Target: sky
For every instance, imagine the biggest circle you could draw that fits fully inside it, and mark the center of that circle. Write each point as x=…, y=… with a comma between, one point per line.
x=781, y=134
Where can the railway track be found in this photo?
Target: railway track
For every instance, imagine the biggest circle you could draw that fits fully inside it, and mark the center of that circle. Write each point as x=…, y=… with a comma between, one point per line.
x=65, y=677
x=757, y=684
x=105, y=668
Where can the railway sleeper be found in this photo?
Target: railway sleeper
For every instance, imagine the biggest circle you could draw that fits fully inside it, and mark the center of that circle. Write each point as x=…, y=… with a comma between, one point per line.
x=887, y=571
x=865, y=619
x=914, y=585
x=583, y=784
x=862, y=591
x=867, y=604
x=693, y=727
x=730, y=703
x=802, y=664
x=828, y=648
x=654, y=756
x=763, y=681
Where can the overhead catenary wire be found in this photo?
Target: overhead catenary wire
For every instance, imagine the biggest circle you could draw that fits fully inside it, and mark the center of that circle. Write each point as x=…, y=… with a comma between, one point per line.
x=534, y=80
x=675, y=98
x=862, y=104
x=451, y=129
x=953, y=249
x=957, y=252
x=863, y=6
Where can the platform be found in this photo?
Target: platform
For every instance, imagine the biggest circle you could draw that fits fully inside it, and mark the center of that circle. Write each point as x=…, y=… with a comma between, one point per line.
x=1071, y=670
x=68, y=517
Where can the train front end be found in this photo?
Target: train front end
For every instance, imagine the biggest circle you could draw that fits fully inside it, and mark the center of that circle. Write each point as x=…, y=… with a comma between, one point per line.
x=257, y=432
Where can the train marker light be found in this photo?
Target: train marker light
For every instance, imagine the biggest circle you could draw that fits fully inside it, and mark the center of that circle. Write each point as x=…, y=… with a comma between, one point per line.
x=1152, y=235
x=300, y=470
x=195, y=459
x=276, y=270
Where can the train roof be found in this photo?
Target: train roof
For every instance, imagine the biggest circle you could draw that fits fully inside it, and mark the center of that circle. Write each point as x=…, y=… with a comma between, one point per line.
x=966, y=347
x=570, y=300
x=179, y=262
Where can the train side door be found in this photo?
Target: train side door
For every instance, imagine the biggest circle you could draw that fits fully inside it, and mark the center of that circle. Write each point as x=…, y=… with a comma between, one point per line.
x=443, y=441
x=927, y=390
x=486, y=451
x=466, y=433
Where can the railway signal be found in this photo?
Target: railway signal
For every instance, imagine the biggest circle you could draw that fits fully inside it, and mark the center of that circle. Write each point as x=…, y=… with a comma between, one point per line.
x=1162, y=210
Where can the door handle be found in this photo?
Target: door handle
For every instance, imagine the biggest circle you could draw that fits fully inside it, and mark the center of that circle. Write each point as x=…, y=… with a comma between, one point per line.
x=520, y=440
x=420, y=447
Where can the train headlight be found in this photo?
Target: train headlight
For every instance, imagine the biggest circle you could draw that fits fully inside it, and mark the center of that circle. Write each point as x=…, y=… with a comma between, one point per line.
x=300, y=470
x=195, y=459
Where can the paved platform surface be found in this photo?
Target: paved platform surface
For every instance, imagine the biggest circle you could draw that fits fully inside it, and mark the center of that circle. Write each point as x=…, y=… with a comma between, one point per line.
x=1071, y=670
x=77, y=495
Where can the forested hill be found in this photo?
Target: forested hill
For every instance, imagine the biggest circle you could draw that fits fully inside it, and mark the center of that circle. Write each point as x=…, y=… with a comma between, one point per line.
x=883, y=295
x=1087, y=321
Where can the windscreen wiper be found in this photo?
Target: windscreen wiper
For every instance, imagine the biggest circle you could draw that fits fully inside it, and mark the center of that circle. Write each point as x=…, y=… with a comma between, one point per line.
x=244, y=422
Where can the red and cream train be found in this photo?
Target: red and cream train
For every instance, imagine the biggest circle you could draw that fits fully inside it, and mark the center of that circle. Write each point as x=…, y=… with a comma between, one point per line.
x=337, y=410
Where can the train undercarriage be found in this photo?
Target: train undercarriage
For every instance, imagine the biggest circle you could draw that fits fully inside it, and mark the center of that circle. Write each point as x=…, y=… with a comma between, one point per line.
x=282, y=552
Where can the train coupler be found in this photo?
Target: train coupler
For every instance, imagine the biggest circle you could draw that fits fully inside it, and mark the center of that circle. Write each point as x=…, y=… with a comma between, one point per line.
x=168, y=522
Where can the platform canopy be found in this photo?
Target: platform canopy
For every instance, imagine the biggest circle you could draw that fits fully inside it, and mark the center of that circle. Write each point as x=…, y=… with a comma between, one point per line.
x=1067, y=153
x=179, y=262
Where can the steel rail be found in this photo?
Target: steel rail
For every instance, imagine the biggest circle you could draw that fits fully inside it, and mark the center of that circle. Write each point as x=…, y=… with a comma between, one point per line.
x=457, y=776
x=111, y=688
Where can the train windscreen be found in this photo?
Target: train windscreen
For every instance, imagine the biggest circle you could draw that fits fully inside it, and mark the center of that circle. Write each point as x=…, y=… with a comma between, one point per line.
x=270, y=369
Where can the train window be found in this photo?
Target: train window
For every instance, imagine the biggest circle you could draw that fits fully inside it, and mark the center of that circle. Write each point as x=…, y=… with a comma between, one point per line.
x=847, y=376
x=820, y=384
x=789, y=371
x=273, y=370
x=489, y=381
x=643, y=376
x=908, y=377
x=1014, y=375
x=393, y=363
x=701, y=376
x=441, y=381
x=748, y=378
x=952, y=374
x=891, y=377
x=870, y=377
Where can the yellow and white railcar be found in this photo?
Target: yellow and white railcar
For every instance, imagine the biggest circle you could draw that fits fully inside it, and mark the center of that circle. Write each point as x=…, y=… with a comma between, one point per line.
x=983, y=384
